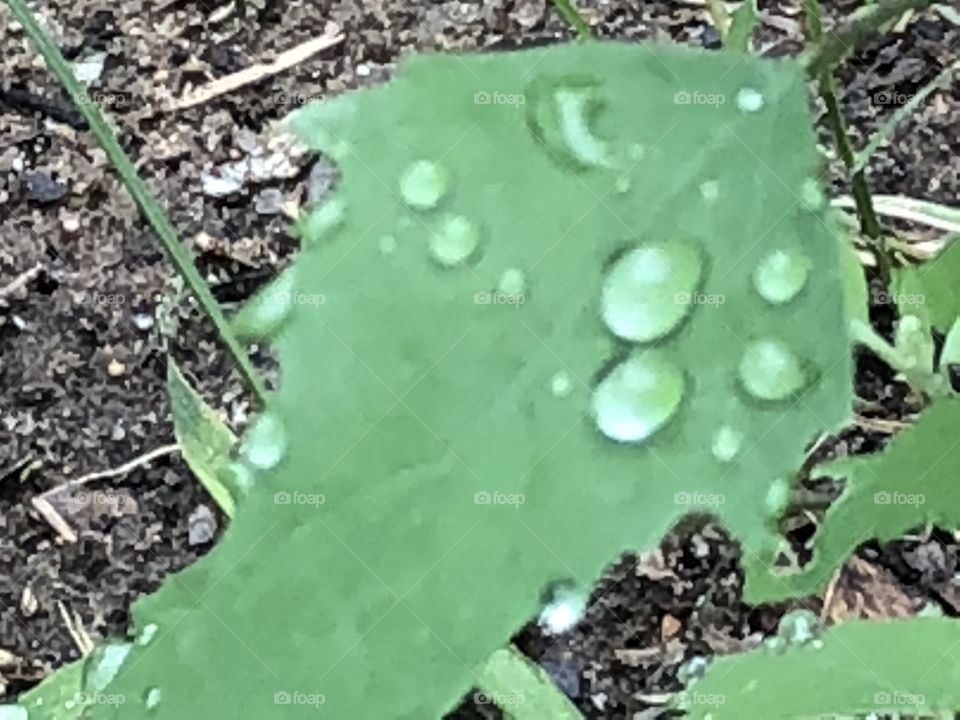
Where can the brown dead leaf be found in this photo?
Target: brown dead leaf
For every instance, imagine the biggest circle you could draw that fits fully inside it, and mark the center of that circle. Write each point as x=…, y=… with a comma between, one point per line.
x=864, y=590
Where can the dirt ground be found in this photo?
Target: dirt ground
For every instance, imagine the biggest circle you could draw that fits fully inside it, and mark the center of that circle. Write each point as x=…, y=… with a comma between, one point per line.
x=85, y=328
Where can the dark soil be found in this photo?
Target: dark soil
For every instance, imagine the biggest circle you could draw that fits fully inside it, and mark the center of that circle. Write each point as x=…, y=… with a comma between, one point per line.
x=83, y=341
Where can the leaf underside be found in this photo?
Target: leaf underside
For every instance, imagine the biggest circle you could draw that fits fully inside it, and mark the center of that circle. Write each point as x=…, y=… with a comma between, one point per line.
x=402, y=397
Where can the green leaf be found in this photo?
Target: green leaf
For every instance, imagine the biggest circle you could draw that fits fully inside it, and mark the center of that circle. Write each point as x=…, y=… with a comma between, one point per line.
x=433, y=463
x=522, y=689
x=204, y=439
x=912, y=482
x=931, y=288
x=742, y=24
x=58, y=697
x=859, y=667
x=855, y=293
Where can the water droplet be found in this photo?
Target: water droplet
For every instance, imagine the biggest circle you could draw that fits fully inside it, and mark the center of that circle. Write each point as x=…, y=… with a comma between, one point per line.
x=749, y=100
x=265, y=443
x=710, y=191
x=512, y=282
x=103, y=664
x=726, y=443
x=781, y=275
x=778, y=495
x=239, y=476
x=423, y=184
x=775, y=645
x=152, y=698
x=388, y=244
x=812, y=194
x=561, y=384
x=146, y=635
x=798, y=627
x=770, y=371
x=637, y=152
x=13, y=712
x=264, y=314
x=622, y=184
x=322, y=221
x=564, y=606
x=562, y=113
x=455, y=241
x=638, y=397
x=646, y=293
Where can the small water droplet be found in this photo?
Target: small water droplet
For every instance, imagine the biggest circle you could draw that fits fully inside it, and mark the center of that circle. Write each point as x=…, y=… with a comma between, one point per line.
x=770, y=371
x=647, y=292
x=749, y=100
x=455, y=241
x=146, y=635
x=423, y=184
x=778, y=495
x=564, y=606
x=512, y=282
x=388, y=244
x=562, y=114
x=319, y=223
x=812, y=194
x=775, y=645
x=152, y=699
x=622, y=184
x=265, y=313
x=781, y=275
x=710, y=191
x=13, y=712
x=103, y=664
x=637, y=152
x=638, y=397
x=726, y=443
x=239, y=476
x=798, y=627
x=561, y=384
x=265, y=442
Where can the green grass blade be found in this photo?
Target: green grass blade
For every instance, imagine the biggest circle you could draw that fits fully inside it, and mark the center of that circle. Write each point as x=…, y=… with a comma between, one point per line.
x=902, y=113
x=574, y=18
x=742, y=24
x=138, y=189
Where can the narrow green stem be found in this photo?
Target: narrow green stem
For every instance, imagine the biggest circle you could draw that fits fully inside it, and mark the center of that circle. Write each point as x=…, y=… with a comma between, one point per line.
x=138, y=189
x=720, y=17
x=574, y=18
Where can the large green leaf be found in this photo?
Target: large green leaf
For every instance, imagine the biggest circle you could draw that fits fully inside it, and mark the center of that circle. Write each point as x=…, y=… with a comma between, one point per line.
x=910, y=666
x=432, y=463
x=931, y=288
x=912, y=482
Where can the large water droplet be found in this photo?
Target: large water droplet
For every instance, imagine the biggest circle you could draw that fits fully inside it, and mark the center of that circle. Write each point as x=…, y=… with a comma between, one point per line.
x=770, y=371
x=146, y=635
x=638, y=397
x=265, y=442
x=561, y=384
x=423, y=184
x=103, y=664
x=512, y=282
x=727, y=442
x=647, y=292
x=562, y=114
x=781, y=275
x=749, y=100
x=13, y=712
x=152, y=699
x=454, y=241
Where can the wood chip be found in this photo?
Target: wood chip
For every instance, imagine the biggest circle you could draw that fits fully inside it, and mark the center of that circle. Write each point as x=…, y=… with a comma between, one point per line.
x=255, y=73
x=669, y=627
x=28, y=602
x=53, y=518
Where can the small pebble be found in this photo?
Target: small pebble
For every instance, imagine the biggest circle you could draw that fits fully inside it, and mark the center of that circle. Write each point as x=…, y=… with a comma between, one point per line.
x=42, y=188
x=268, y=201
x=202, y=526
x=116, y=368
x=143, y=321
x=70, y=222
